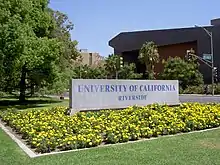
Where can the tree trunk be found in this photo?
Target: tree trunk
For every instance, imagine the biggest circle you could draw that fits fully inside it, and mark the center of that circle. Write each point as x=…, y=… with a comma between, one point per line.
x=32, y=88
x=22, y=84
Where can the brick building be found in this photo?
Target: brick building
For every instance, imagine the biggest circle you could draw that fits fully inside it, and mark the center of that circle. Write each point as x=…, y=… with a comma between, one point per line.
x=90, y=58
x=171, y=43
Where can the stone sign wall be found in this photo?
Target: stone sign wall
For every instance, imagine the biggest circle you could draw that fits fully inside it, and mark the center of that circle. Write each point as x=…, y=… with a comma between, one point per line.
x=94, y=94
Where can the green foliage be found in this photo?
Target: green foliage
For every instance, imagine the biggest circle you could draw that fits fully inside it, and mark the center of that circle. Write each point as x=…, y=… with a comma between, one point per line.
x=149, y=56
x=128, y=72
x=88, y=72
x=80, y=71
x=112, y=67
x=36, y=50
x=22, y=49
x=217, y=89
x=200, y=89
x=2, y=94
x=194, y=90
x=186, y=72
x=101, y=72
x=64, y=67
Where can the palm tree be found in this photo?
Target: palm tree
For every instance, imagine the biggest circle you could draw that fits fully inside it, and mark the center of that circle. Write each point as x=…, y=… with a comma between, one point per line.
x=149, y=56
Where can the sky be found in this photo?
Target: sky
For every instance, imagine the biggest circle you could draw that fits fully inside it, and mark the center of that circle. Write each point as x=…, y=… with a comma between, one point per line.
x=98, y=21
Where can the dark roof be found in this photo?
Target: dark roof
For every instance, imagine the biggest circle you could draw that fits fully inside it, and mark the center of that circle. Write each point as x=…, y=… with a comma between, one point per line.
x=127, y=41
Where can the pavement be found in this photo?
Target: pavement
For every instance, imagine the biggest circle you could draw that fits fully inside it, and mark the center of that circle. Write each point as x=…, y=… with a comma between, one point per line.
x=183, y=98
x=200, y=98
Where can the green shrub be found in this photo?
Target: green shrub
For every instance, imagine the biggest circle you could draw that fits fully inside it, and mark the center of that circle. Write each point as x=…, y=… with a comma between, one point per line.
x=181, y=91
x=217, y=89
x=194, y=90
x=201, y=89
x=2, y=94
x=186, y=72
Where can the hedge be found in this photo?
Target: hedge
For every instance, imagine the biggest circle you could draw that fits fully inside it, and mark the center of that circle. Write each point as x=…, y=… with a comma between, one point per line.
x=200, y=89
x=52, y=130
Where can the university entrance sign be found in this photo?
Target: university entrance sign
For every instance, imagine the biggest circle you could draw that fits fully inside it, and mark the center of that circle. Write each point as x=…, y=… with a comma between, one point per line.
x=96, y=94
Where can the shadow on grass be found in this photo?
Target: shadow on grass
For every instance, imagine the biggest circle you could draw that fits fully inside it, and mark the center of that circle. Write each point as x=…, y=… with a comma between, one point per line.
x=13, y=102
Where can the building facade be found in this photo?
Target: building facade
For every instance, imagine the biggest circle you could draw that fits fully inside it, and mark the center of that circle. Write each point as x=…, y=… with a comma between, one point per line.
x=171, y=43
x=90, y=58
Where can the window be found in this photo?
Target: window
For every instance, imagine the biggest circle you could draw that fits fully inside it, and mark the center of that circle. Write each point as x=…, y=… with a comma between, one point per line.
x=90, y=58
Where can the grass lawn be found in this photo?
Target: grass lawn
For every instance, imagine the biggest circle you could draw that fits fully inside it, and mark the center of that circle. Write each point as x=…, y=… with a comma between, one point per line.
x=37, y=103
x=188, y=149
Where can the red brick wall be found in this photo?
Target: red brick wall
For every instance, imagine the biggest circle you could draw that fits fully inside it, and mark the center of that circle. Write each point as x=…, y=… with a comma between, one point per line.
x=173, y=51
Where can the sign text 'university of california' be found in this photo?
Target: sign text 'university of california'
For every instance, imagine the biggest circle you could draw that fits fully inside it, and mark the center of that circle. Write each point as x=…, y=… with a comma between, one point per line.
x=126, y=88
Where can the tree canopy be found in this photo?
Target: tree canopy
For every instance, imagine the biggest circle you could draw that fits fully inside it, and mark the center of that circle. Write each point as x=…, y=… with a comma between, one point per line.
x=34, y=44
x=113, y=67
x=186, y=72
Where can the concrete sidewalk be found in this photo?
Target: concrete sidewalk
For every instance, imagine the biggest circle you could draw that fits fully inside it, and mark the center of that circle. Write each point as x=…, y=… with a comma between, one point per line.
x=200, y=95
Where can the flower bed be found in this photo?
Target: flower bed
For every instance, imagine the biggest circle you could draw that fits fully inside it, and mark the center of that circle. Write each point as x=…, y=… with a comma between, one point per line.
x=51, y=129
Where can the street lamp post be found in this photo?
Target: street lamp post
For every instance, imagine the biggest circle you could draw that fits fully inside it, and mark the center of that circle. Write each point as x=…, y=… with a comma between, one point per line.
x=212, y=55
x=80, y=75
x=116, y=74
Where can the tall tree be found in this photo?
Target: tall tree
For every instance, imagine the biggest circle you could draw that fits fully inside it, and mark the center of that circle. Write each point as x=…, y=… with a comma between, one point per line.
x=149, y=56
x=68, y=55
x=24, y=29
